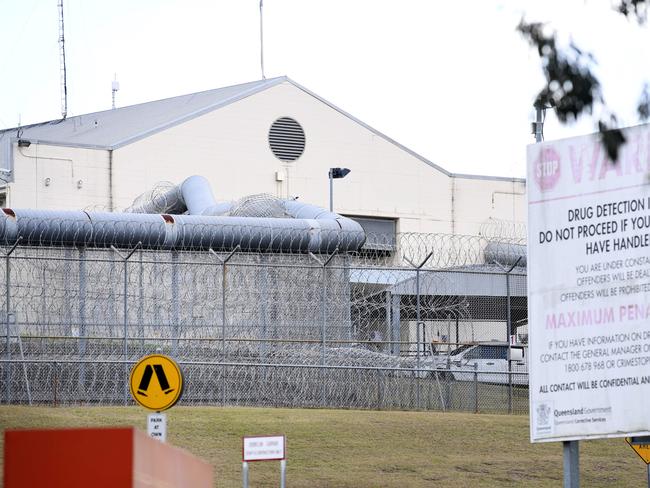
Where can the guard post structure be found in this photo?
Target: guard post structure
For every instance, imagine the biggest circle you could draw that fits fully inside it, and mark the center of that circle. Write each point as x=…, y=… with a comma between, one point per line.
x=264, y=448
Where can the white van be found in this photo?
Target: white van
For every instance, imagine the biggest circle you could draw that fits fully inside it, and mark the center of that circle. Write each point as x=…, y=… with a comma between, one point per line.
x=489, y=361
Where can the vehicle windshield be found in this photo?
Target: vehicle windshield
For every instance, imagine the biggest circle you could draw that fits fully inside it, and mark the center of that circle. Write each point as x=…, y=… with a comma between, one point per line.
x=462, y=348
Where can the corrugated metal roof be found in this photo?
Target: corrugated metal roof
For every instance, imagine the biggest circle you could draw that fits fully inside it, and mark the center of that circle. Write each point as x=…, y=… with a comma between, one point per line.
x=479, y=280
x=121, y=126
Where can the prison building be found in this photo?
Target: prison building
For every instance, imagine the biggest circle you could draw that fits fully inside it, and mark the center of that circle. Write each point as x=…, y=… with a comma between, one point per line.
x=240, y=269
x=272, y=136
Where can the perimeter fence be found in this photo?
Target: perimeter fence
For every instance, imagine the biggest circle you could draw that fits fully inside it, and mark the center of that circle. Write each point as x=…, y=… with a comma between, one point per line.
x=413, y=321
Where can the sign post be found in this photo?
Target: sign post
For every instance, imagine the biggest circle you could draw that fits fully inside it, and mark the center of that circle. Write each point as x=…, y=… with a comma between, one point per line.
x=264, y=448
x=641, y=446
x=156, y=383
x=588, y=291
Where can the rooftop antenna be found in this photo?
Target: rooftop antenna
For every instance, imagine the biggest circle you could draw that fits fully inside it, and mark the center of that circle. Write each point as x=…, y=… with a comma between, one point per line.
x=115, y=86
x=64, y=84
x=262, y=39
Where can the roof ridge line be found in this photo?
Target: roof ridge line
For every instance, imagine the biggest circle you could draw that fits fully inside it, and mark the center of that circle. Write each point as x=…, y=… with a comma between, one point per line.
x=394, y=142
x=88, y=114
x=267, y=83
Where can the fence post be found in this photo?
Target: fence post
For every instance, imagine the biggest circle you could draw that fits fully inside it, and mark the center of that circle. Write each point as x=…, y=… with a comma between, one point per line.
x=323, y=327
x=223, y=263
x=263, y=317
x=141, y=301
x=67, y=303
x=475, y=387
x=82, y=322
x=417, y=324
x=125, y=259
x=25, y=374
x=8, y=320
x=55, y=385
x=175, y=305
x=509, y=328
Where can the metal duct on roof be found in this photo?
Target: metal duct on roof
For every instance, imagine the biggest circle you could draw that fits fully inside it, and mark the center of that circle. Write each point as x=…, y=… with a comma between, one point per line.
x=312, y=228
x=91, y=229
x=196, y=194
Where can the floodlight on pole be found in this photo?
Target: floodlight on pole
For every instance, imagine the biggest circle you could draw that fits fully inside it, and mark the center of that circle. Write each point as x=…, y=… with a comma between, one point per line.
x=335, y=173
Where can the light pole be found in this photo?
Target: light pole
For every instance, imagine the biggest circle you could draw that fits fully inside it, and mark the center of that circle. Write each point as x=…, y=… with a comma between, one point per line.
x=335, y=173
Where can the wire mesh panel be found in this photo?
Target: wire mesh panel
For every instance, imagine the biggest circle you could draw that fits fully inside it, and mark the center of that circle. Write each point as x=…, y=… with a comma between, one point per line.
x=424, y=322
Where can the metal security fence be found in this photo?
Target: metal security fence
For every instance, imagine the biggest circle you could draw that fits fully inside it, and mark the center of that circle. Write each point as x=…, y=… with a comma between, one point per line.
x=417, y=322
x=101, y=382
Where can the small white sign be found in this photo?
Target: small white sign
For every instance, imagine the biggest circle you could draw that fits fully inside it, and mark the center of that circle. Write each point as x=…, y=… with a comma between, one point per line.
x=264, y=448
x=157, y=426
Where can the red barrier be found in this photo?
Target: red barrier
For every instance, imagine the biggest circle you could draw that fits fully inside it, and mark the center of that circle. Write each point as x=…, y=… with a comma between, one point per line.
x=98, y=458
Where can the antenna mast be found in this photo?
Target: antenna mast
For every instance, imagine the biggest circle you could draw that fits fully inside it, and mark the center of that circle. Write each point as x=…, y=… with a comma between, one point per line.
x=262, y=40
x=115, y=86
x=64, y=84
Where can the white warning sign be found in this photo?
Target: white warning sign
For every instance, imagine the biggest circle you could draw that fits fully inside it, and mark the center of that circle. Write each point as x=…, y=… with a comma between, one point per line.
x=589, y=288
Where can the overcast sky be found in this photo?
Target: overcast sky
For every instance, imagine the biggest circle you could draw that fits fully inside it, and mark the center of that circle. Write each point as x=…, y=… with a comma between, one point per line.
x=451, y=80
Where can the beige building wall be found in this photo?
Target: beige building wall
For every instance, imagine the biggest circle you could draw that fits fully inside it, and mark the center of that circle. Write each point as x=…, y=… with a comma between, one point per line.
x=60, y=178
x=480, y=201
x=229, y=146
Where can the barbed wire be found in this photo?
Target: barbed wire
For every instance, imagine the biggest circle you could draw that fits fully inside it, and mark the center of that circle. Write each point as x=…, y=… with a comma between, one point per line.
x=266, y=327
x=503, y=230
x=191, y=235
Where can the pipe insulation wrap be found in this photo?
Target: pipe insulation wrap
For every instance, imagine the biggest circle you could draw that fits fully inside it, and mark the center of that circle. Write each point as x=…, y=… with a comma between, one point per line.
x=169, y=201
x=310, y=228
x=98, y=229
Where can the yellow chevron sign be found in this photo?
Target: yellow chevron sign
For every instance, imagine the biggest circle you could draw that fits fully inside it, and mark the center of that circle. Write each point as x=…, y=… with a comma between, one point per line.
x=156, y=382
x=641, y=446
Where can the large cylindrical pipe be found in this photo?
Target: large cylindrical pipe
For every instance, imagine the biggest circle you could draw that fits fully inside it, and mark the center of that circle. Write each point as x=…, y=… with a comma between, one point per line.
x=505, y=253
x=197, y=195
x=123, y=230
x=44, y=227
x=311, y=228
x=98, y=229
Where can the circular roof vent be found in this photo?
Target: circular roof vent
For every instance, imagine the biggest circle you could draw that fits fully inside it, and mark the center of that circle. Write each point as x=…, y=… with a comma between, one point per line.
x=287, y=139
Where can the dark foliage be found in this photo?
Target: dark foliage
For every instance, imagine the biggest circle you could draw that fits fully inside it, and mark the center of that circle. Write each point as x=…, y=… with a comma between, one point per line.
x=571, y=87
x=612, y=139
x=643, y=109
x=633, y=8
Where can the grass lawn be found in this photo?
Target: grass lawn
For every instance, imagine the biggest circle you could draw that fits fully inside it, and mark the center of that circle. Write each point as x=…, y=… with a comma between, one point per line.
x=348, y=448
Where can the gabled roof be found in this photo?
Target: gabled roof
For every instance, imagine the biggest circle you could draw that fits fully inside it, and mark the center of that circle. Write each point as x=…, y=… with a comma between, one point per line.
x=111, y=129
x=118, y=127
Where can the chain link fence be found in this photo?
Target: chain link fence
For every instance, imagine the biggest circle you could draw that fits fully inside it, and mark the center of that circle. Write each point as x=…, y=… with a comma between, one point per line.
x=411, y=321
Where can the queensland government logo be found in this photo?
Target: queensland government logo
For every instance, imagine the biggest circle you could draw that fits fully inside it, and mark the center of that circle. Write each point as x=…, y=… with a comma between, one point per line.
x=543, y=419
x=546, y=169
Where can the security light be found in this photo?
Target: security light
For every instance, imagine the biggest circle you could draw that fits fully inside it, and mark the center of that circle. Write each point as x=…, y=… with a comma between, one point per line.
x=338, y=172
x=335, y=173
